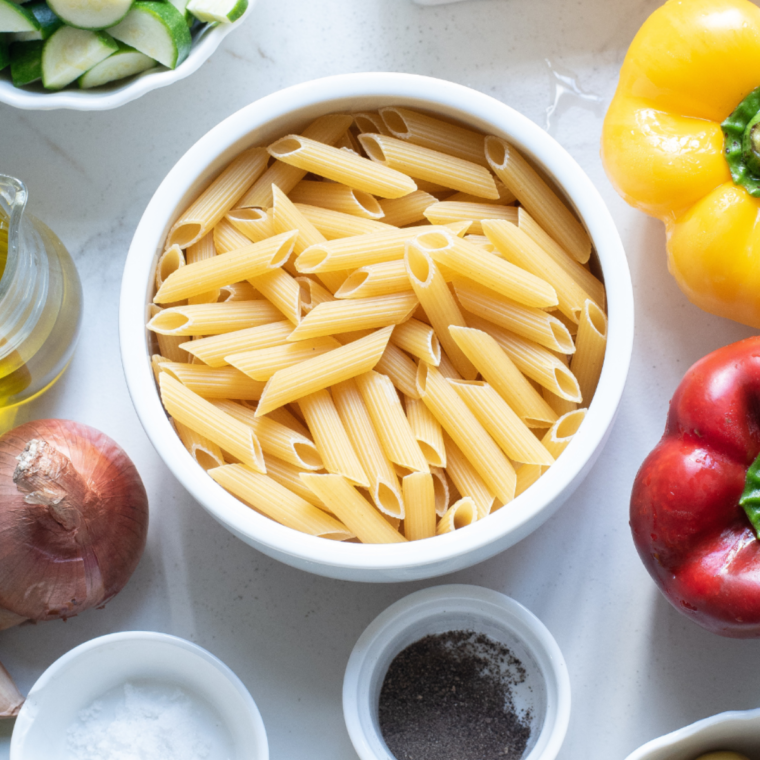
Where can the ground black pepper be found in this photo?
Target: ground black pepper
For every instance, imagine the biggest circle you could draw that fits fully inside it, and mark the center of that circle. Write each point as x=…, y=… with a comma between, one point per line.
x=448, y=697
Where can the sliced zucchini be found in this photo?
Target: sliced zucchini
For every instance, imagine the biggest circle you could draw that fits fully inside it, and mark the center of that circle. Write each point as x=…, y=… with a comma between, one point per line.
x=5, y=53
x=223, y=11
x=26, y=62
x=91, y=14
x=69, y=52
x=47, y=20
x=14, y=18
x=181, y=6
x=125, y=62
x=156, y=29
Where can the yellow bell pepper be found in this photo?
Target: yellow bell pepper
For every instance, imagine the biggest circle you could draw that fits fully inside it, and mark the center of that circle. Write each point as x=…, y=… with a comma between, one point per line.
x=681, y=141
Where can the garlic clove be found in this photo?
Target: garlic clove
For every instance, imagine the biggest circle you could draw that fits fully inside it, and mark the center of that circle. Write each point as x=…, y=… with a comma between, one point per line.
x=10, y=697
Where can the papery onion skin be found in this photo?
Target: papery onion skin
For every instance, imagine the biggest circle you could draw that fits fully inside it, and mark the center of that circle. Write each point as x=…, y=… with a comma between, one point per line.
x=58, y=560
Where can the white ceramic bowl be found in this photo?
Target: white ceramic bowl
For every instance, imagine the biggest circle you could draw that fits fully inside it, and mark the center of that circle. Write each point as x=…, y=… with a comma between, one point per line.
x=92, y=669
x=545, y=692
x=34, y=98
x=288, y=111
x=737, y=731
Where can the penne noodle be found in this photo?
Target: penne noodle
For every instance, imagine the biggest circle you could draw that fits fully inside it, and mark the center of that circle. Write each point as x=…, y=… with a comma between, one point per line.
x=204, y=418
x=431, y=165
x=400, y=369
x=289, y=476
x=560, y=405
x=375, y=280
x=286, y=217
x=203, y=249
x=326, y=129
x=282, y=291
x=213, y=318
x=407, y=210
x=284, y=416
x=443, y=490
x=168, y=263
x=461, y=514
x=534, y=324
x=419, y=340
x=539, y=199
x=419, y=504
x=449, y=211
x=591, y=344
x=238, y=291
x=312, y=293
x=331, y=438
x=293, y=383
x=169, y=346
x=349, y=506
x=335, y=225
x=447, y=369
x=255, y=223
x=275, y=501
x=203, y=451
x=368, y=121
x=227, y=238
x=334, y=317
x=342, y=198
x=421, y=129
x=460, y=423
x=466, y=478
x=242, y=264
x=506, y=196
x=262, y=363
x=388, y=417
x=341, y=166
x=212, y=350
x=499, y=370
x=276, y=440
x=218, y=198
x=427, y=432
x=503, y=425
x=210, y=382
x=439, y=304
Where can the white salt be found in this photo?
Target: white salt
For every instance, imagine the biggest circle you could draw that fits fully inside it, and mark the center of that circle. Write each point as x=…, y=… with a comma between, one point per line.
x=148, y=721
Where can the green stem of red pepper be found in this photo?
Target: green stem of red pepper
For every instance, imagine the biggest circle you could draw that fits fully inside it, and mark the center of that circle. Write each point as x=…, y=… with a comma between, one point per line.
x=750, y=498
x=742, y=143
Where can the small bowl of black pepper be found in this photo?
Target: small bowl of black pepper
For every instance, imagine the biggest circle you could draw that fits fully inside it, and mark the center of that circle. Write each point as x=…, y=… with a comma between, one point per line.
x=456, y=673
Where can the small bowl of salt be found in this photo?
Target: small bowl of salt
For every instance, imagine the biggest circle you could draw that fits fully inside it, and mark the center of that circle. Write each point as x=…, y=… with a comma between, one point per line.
x=456, y=672
x=139, y=694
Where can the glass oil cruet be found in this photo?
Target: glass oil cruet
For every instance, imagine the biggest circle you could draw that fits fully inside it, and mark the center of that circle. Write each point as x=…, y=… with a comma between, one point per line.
x=40, y=301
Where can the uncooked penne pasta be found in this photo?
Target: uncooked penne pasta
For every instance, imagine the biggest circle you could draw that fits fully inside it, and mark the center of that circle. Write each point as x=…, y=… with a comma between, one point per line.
x=169, y=262
x=335, y=225
x=539, y=199
x=506, y=196
x=278, y=503
x=369, y=121
x=344, y=316
x=337, y=197
x=242, y=264
x=439, y=304
x=227, y=238
x=431, y=165
x=400, y=369
x=407, y=210
x=427, y=431
x=170, y=346
x=503, y=425
x=282, y=290
x=212, y=350
x=460, y=423
x=285, y=217
x=341, y=166
x=312, y=293
x=390, y=422
x=200, y=415
x=331, y=438
x=218, y=198
x=419, y=504
x=210, y=382
x=447, y=369
x=289, y=476
x=293, y=383
x=500, y=372
x=459, y=515
x=255, y=223
x=419, y=340
x=534, y=324
x=326, y=129
x=349, y=506
x=237, y=291
x=421, y=129
x=213, y=318
x=276, y=439
x=445, y=212
x=443, y=490
x=204, y=451
x=591, y=344
x=560, y=405
x=375, y=280
x=466, y=478
x=262, y=363
x=202, y=249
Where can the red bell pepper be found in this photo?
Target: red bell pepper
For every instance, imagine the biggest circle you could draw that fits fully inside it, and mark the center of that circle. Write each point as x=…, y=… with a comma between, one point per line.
x=695, y=506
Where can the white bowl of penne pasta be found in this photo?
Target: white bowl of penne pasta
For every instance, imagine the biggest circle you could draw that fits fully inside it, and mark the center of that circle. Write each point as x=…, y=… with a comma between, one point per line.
x=379, y=307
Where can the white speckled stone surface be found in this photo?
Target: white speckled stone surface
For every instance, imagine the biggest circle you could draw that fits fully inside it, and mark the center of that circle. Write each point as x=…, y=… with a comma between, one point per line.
x=638, y=669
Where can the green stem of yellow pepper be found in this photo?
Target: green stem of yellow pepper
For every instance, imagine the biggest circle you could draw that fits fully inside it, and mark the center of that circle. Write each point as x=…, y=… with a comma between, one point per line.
x=742, y=143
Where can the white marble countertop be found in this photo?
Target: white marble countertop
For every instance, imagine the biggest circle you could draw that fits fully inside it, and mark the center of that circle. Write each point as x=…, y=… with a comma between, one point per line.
x=638, y=668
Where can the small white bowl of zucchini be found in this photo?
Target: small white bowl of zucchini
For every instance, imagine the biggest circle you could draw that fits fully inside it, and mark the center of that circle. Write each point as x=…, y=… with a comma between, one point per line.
x=99, y=54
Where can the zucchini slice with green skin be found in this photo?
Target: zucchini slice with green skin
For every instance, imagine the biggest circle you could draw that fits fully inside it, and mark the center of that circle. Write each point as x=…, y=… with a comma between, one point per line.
x=69, y=52
x=156, y=29
x=47, y=20
x=223, y=11
x=125, y=62
x=15, y=18
x=91, y=14
x=181, y=6
x=26, y=62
